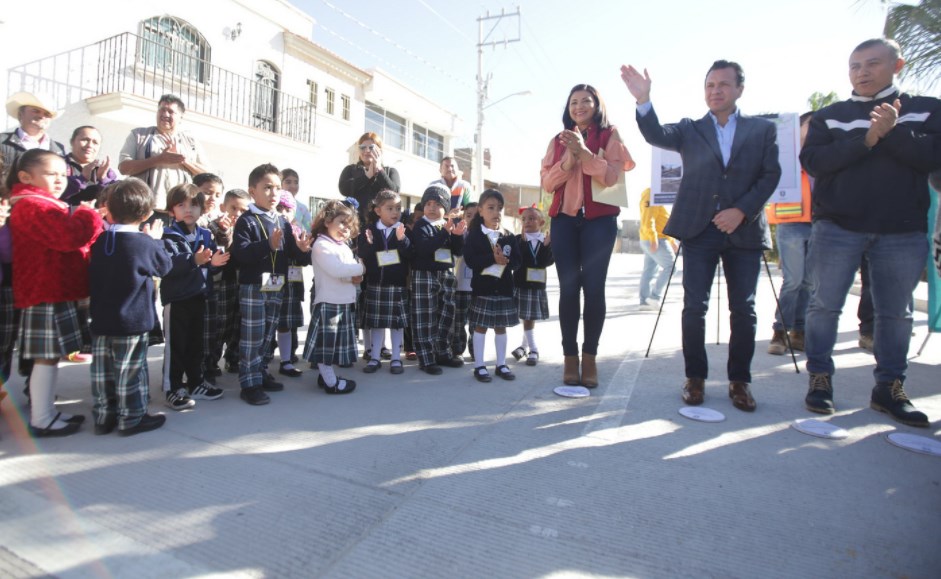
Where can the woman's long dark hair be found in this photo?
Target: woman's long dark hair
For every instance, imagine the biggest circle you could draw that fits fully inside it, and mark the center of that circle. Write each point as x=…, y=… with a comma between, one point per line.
x=601, y=112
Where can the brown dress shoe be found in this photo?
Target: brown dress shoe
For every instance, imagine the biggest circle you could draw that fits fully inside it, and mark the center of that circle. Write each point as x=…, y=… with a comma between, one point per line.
x=741, y=396
x=694, y=391
x=570, y=374
x=589, y=371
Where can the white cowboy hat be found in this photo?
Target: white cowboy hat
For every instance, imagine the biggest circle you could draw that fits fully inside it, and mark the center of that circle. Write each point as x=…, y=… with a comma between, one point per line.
x=26, y=99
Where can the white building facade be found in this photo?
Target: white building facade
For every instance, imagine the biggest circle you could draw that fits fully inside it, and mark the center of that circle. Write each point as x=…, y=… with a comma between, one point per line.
x=256, y=86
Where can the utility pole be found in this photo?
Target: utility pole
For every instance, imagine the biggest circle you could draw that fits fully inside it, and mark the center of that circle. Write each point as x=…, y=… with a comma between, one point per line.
x=493, y=21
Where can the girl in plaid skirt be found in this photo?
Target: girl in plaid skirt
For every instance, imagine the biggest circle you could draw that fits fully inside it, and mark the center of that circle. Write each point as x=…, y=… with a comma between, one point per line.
x=493, y=254
x=292, y=306
x=51, y=244
x=530, y=280
x=385, y=251
x=331, y=337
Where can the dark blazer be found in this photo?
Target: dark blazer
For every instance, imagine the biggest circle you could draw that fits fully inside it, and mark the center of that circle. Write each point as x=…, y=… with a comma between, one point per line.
x=709, y=186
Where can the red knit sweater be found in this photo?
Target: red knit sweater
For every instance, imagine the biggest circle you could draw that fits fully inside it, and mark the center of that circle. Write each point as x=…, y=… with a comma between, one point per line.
x=50, y=247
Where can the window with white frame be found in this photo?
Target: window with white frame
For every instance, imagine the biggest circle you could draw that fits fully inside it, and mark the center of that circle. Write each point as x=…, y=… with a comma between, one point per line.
x=312, y=93
x=427, y=144
x=345, y=106
x=389, y=126
x=174, y=46
x=331, y=100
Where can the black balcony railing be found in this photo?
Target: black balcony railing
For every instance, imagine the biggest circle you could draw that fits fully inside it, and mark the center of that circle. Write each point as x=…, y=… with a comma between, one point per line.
x=128, y=63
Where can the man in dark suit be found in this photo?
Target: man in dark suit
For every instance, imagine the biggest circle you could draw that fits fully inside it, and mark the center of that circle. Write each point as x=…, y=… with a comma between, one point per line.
x=730, y=169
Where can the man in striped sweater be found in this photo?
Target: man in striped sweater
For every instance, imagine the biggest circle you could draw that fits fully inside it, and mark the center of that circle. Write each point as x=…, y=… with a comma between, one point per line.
x=870, y=156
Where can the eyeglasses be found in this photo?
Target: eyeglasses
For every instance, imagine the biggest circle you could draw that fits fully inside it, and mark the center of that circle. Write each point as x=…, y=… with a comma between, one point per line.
x=368, y=147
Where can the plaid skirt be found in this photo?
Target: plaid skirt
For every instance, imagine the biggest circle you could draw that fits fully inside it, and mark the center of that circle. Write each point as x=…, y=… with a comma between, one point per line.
x=359, y=308
x=533, y=304
x=493, y=312
x=292, y=306
x=331, y=337
x=385, y=307
x=50, y=331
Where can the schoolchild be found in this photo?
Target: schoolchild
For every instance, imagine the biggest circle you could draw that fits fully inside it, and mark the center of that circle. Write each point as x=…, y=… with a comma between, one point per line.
x=331, y=337
x=292, y=304
x=263, y=243
x=462, y=295
x=530, y=281
x=385, y=250
x=494, y=254
x=225, y=285
x=51, y=243
x=436, y=240
x=183, y=292
x=291, y=182
x=410, y=219
x=212, y=187
x=124, y=262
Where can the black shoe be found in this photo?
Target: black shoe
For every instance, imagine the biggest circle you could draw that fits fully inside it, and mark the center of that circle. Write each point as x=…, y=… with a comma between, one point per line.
x=385, y=354
x=518, y=353
x=450, y=361
x=343, y=386
x=75, y=419
x=372, y=366
x=432, y=369
x=48, y=431
x=321, y=383
x=505, y=373
x=395, y=367
x=481, y=374
x=107, y=427
x=891, y=399
x=147, y=423
x=819, y=397
x=269, y=384
x=289, y=372
x=254, y=396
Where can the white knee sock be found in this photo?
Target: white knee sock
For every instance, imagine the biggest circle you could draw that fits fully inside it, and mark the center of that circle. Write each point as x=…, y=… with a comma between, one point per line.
x=525, y=343
x=284, y=347
x=397, y=336
x=528, y=335
x=378, y=337
x=499, y=341
x=326, y=372
x=42, y=394
x=480, y=345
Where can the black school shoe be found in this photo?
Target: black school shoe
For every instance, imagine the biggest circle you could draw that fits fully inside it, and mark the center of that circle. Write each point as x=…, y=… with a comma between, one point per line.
x=343, y=386
x=289, y=372
x=107, y=427
x=505, y=373
x=433, y=369
x=254, y=396
x=481, y=374
x=48, y=431
x=269, y=384
x=372, y=367
x=450, y=361
x=147, y=423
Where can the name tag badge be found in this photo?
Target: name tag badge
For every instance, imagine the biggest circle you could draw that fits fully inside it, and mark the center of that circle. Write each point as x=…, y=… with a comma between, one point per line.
x=536, y=274
x=443, y=255
x=496, y=270
x=271, y=283
x=388, y=257
x=295, y=273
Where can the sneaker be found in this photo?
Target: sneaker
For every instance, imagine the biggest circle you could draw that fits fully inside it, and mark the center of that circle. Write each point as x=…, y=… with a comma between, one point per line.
x=204, y=392
x=891, y=399
x=254, y=396
x=778, y=345
x=797, y=340
x=865, y=342
x=269, y=384
x=147, y=423
x=819, y=397
x=180, y=399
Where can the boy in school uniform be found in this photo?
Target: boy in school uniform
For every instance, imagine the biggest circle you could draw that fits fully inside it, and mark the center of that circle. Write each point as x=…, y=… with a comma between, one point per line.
x=124, y=261
x=262, y=244
x=225, y=286
x=436, y=240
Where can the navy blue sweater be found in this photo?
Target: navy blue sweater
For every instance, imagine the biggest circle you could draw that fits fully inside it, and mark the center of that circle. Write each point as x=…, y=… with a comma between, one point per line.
x=252, y=252
x=478, y=255
x=185, y=279
x=426, y=240
x=880, y=190
x=542, y=259
x=389, y=275
x=121, y=284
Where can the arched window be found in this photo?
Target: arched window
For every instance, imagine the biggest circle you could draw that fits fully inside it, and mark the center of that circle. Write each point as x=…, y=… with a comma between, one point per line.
x=265, y=105
x=174, y=46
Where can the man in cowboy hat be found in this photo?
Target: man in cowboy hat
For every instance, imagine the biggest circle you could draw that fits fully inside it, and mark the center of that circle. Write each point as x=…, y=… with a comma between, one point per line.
x=34, y=112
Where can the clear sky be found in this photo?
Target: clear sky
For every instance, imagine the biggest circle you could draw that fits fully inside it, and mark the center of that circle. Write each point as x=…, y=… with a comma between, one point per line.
x=789, y=49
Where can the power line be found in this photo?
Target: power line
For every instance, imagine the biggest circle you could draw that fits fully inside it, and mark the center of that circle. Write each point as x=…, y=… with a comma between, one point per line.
x=445, y=20
x=417, y=57
x=368, y=53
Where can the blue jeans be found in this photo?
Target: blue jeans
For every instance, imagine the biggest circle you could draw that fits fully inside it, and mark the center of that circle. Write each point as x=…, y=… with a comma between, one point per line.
x=701, y=255
x=895, y=264
x=662, y=258
x=793, y=244
x=582, y=250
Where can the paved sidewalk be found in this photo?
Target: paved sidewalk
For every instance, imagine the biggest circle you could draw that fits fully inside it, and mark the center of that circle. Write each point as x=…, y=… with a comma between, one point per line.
x=415, y=476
